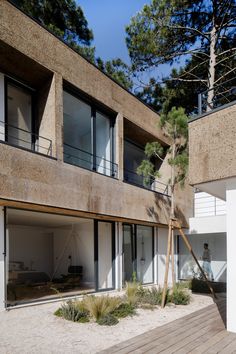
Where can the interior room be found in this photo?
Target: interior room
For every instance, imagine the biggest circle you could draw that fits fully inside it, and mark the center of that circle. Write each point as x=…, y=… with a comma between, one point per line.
x=48, y=256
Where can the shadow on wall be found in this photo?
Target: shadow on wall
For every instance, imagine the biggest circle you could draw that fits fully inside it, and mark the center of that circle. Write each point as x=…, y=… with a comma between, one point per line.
x=162, y=207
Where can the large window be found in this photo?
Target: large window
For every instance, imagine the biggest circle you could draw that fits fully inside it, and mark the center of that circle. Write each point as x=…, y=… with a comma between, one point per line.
x=50, y=255
x=88, y=136
x=138, y=248
x=24, y=120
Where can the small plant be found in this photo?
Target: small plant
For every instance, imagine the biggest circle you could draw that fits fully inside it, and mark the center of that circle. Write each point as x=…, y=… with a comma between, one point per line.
x=150, y=296
x=179, y=296
x=108, y=320
x=71, y=311
x=100, y=306
x=131, y=292
x=124, y=310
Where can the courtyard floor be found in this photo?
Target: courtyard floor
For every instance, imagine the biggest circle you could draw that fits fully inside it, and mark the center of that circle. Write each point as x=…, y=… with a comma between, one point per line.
x=36, y=330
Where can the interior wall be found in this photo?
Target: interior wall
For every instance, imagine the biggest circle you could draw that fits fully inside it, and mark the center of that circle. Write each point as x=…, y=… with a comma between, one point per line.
x=217, y=246
x=2, y=261
x=74, y=245
x=32, y=246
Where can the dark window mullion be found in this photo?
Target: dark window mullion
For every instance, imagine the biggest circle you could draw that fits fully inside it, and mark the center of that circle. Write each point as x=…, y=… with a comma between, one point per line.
x=94, y=148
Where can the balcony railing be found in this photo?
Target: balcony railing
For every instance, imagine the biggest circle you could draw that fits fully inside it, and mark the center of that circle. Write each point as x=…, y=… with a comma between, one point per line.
x=18, y=137
x=222, y=94
x=147, y=183
x=84, y=159
x=208, y=205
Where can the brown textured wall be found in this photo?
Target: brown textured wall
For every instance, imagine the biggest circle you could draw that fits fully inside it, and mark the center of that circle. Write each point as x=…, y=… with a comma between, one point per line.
x=212, y=146
x=32, y=178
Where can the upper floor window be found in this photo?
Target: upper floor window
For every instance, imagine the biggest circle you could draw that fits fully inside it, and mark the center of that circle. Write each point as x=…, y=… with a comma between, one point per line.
x=88, y=136
x=19, y=126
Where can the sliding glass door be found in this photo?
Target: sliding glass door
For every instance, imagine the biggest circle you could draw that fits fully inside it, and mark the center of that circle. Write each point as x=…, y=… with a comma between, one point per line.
x=104, y=236
x=138, y=253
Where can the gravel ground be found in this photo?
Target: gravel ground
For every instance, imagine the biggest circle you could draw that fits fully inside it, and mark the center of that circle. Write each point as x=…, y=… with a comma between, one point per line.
x=36, y=330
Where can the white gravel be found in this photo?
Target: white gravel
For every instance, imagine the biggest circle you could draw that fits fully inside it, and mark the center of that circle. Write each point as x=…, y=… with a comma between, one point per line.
x=36, y=330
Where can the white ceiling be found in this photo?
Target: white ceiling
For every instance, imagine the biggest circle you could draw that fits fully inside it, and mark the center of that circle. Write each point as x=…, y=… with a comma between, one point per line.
x=32, y=218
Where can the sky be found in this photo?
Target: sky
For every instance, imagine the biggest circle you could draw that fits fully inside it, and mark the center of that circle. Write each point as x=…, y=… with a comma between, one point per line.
x=108, y=19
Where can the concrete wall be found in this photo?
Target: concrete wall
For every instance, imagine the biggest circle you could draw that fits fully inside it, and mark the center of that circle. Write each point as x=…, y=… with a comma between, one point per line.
x=212, y=146
x=36, y=179
x=207, y=224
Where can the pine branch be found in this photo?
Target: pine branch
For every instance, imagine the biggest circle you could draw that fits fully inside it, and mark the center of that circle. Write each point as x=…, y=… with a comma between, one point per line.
x=226, y=74
x=190, y=29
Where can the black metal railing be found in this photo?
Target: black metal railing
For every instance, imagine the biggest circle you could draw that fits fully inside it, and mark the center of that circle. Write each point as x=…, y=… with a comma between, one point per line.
x=28, y=140
x=78, y=157
x=146, y=182
x=222, y=94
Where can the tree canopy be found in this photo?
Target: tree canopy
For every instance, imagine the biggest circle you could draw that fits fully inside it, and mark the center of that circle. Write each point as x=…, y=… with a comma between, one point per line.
x=199, y=32
x=66, y=19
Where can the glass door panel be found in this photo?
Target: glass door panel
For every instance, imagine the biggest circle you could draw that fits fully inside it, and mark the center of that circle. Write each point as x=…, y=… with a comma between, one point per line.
x=77, y=132
x=19, y=116
x=105, y=255
x=144, y=254
x=103, y=145
x=128, y=253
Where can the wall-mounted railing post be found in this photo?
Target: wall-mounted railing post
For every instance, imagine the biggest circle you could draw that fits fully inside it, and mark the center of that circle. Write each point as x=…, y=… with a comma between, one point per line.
x=199, y=103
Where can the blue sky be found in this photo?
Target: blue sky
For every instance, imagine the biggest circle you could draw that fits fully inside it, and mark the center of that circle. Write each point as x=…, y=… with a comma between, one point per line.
x=108, y=19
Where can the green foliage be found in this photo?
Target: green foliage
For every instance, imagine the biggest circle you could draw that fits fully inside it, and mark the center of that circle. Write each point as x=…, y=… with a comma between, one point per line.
x=124, y=310
x=118, y=70
x=72, y=311
x=108, y=320
x=100, y=306
x=170, y=32
x=179, y=296
x=131, y=290
x=64, y=18
x=151, y=296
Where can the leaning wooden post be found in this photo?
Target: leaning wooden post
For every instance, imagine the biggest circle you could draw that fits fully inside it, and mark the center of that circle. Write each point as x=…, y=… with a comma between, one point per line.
x=173, y=257
x=195, y=258
x=167, y=266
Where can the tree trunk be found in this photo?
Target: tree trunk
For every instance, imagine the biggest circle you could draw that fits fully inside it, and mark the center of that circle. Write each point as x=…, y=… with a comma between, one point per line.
x=212, y=63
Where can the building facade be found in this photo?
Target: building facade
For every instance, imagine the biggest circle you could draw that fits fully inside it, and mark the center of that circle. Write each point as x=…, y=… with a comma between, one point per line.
x=213, y=170
x=75, y=217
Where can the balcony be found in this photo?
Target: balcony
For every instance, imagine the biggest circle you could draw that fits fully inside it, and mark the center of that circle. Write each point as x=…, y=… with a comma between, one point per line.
x=208, y=205
x=222, y=94
x=84, y=159
x=146, y=182
x=24, y=139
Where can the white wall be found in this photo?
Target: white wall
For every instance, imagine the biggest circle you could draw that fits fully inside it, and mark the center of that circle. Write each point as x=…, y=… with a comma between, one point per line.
x=76, y=242
x=32, y=246
x=162, y=249
x=217, y=245
x=206, y=204
x=207, y=225
x=2, y=108
x=231, y=255
x=2, y=261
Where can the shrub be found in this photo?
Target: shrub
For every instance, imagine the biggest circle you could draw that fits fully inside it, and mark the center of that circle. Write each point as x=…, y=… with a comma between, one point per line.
x=200, y=286
x=71, y=311
x=100, y=306
x=179, y=296
x=131, y=292
x=123, y=310
x=108, y=320
x=150, y=296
